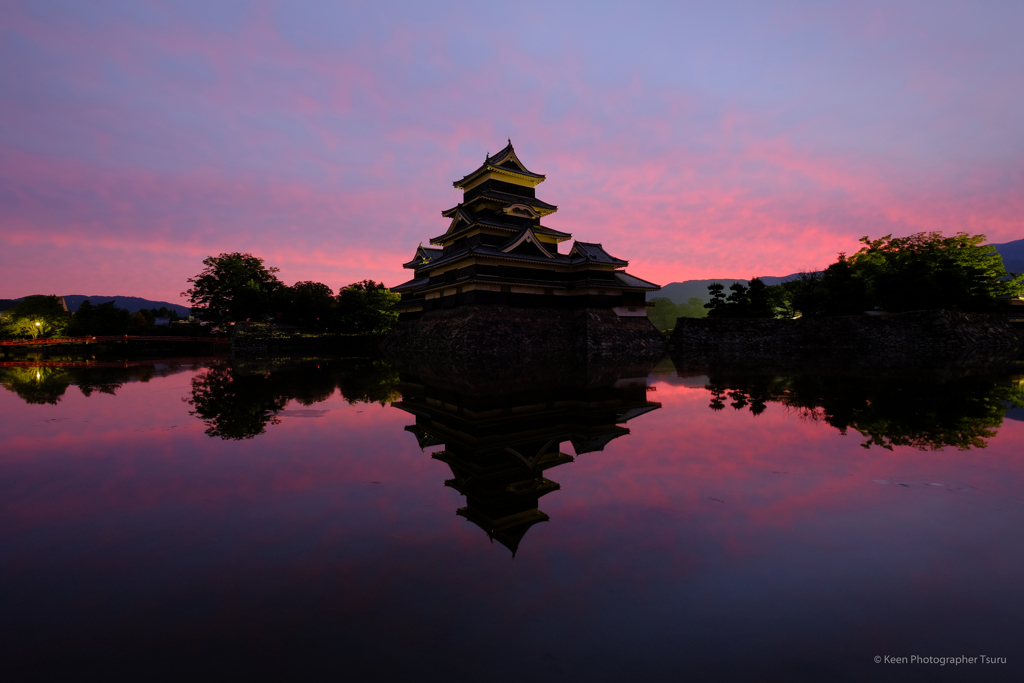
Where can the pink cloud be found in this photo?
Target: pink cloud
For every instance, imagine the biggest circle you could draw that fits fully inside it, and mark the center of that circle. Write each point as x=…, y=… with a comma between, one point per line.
x=332, y=157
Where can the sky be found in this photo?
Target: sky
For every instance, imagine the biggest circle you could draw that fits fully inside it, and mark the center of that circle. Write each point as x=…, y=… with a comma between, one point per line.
x=695, y=140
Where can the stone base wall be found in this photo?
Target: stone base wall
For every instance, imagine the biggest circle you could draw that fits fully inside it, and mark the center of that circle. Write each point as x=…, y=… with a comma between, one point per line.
x=250, y=340
x=537, y=338
x=932, y=331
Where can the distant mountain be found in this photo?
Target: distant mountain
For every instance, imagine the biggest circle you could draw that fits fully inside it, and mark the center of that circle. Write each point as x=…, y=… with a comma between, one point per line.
x=1013, y=255
x=132, y=303
x=680, y=292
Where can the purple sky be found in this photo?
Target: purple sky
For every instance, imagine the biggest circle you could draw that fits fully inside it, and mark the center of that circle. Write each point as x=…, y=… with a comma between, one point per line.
x=695, y=140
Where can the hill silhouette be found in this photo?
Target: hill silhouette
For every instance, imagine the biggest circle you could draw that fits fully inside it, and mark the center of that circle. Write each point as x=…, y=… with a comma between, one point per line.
x=1013, y=255
x=132, y=303
x=681, y=292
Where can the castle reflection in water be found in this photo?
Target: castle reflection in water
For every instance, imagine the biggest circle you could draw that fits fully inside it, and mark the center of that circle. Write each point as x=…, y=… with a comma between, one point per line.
x=502, y=446
x=502, y=431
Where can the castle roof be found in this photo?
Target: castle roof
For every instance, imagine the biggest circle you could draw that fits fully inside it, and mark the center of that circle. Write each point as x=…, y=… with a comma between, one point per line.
x=423, y=255
x=633, y=282
x=468, y=220
x=505, y=198
x=504, y=162
x=411, y=285
x=593, y=251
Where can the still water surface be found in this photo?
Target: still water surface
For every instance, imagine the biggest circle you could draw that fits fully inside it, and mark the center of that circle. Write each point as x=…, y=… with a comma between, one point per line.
x=336, y=520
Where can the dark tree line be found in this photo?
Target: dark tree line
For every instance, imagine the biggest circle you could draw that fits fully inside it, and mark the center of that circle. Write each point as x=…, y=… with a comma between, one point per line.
x=231, y=288
x=238, y=287
x=924, y=270
x=44, y=316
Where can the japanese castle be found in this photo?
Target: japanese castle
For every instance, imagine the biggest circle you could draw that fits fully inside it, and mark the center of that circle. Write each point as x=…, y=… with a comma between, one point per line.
x=496, y=251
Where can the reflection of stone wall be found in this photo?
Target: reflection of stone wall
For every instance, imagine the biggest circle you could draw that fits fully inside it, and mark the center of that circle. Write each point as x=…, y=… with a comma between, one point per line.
x=510, y=337
x=933, y=332
x=261, y=341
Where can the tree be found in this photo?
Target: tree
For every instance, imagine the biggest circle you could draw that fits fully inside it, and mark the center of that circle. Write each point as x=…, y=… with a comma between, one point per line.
x=104, y=319
x=805, y=295
x=664, y=313
x=693, y=308
x=162, y=312
x=233, y=287
x=928, y=270
x=141, y=320
x=717, y=298
x=760, y=303
x=367, y=307
x=737, y=302
x=923, y=270
x=36, y=316
x=844, y=291
x=309, y=304
x=755, y=301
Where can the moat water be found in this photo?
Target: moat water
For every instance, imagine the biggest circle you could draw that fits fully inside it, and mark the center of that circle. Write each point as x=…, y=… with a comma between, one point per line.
x=338, y=520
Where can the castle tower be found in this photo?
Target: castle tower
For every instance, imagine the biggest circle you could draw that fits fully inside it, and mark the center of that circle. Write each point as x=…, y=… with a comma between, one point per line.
x=496, y=250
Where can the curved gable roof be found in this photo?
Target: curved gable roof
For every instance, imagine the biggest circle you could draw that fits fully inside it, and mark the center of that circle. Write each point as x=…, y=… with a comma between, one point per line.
x=593, y=251
x=525, y=236
x=423, y=255
x=505, y=161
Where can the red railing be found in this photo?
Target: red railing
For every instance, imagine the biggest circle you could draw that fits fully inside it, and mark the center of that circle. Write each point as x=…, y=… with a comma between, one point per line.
x=187, y=360
x=116, y=338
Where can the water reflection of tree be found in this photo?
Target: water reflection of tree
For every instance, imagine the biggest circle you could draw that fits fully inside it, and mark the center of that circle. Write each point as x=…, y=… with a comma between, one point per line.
x=47, y=384
x=887, y=412
x=239, y=403
x=234, y=407
x=36, y=385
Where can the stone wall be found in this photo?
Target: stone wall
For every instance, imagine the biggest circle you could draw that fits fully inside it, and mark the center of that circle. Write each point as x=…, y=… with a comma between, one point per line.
x=253, y=340
x=907, y=341
x=511, y=338
x=915, y=331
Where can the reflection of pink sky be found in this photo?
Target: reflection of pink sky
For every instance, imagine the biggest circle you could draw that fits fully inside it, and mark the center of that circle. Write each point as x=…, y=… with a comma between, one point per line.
x=119, y=514
x=778, y=473
x=136, y=143
x=141, y=450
